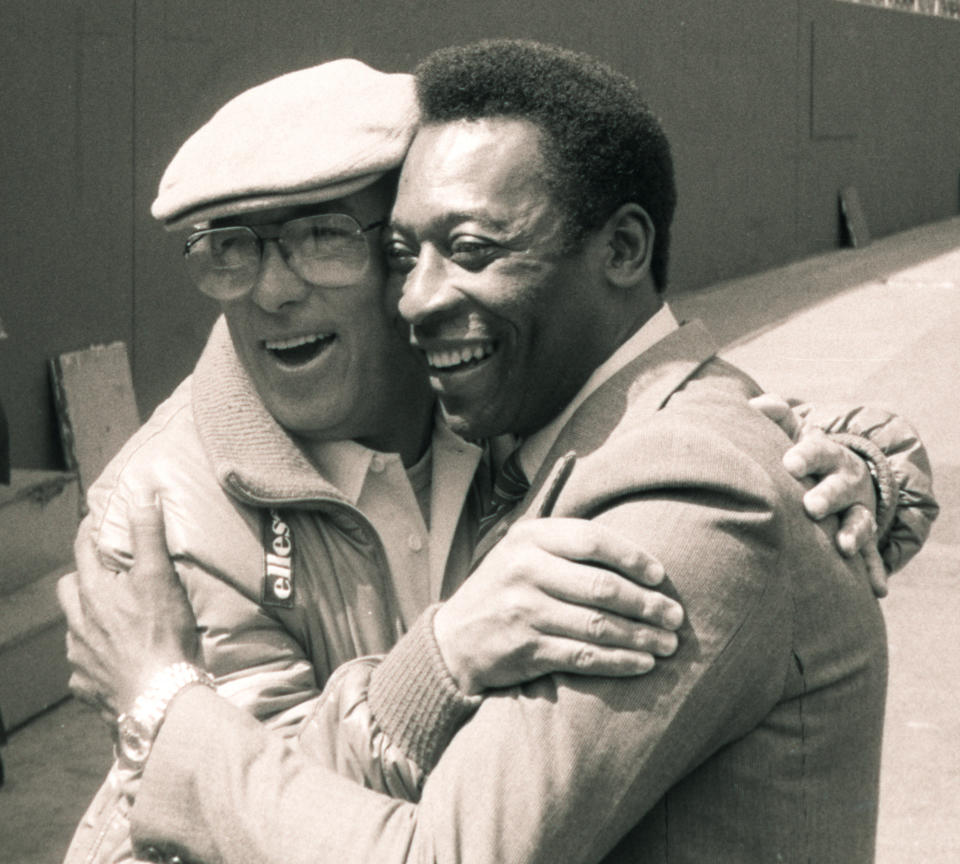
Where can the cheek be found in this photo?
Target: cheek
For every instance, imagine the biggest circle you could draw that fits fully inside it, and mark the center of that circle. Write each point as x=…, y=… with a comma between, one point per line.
x=241, y=333
x=530, y=313
x=376, y=329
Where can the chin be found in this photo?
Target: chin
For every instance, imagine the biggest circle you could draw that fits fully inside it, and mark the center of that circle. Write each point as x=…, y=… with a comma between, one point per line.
x=298, y=422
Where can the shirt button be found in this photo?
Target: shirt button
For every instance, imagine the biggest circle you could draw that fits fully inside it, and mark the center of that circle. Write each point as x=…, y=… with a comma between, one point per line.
x=377, y=463
x=414, y=542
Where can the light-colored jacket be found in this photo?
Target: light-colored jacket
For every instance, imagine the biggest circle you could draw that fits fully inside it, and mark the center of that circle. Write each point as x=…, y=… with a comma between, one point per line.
x=244, y=508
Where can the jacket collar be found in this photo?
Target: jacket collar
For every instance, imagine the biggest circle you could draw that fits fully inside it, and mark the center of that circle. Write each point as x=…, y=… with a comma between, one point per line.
x=253, y=457
x=635, y=393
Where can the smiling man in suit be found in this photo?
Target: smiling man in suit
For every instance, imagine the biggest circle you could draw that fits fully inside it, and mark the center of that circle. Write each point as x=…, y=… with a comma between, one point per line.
x=531, y=231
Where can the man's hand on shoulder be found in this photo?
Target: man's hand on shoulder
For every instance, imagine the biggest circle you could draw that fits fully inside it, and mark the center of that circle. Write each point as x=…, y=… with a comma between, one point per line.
x=842, y=486
x=557, y=595
x=124, y=627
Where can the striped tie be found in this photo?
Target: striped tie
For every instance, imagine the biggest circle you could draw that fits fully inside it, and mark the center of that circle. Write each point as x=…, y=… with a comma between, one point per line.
x=509, y=487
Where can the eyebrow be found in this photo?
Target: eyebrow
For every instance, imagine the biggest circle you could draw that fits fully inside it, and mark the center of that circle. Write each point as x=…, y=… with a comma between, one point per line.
x=448, y=219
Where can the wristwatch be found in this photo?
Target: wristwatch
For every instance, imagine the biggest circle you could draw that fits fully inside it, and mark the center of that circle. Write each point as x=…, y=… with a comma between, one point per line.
x=137, y=728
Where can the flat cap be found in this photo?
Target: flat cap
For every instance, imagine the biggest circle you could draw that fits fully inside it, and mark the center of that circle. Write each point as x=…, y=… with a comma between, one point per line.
x=305, y=137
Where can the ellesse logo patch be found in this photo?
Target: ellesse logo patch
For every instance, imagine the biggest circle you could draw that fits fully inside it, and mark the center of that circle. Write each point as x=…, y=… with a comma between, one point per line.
x=278, y=582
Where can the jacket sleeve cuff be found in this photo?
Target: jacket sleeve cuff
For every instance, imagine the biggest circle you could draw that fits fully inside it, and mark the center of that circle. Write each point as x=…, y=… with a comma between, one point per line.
x=414, y=697
x=884, y=480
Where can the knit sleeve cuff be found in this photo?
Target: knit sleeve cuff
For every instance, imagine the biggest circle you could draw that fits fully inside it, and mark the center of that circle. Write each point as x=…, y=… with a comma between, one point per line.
x=414, y=697
x=884, y=480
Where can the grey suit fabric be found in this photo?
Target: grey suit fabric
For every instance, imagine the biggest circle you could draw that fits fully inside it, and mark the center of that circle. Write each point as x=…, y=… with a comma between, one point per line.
x=758, y=741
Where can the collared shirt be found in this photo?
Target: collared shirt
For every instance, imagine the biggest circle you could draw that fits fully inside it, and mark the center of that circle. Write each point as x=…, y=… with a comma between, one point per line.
x=426, y=539
x=535, y=448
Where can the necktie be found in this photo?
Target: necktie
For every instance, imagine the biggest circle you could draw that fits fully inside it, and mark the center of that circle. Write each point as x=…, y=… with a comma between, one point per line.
x=509, y=486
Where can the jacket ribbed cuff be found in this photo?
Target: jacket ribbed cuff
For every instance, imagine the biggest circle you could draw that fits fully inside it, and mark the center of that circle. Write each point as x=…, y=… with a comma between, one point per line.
x=884, y=480
x=415, y=699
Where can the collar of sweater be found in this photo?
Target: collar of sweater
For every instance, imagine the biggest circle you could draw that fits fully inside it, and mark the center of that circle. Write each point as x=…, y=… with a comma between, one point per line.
x=254, y=457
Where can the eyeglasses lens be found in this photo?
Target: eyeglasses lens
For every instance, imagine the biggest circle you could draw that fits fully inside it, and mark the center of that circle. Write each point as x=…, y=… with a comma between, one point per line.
x=223, y=262
x=328, y=250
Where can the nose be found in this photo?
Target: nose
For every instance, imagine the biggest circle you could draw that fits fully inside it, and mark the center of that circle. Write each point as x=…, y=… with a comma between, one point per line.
x=427, y=290
x=277, y=285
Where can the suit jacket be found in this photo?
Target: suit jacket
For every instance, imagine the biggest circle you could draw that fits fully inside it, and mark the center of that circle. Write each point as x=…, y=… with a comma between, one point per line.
x=758, y=741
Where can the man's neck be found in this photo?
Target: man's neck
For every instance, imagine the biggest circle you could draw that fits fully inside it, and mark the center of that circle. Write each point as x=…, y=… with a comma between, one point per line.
x=407, y=433
x=410, y=435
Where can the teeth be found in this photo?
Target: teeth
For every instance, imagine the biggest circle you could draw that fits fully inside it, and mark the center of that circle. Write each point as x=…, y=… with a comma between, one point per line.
x=295, y=342
x=457, y=357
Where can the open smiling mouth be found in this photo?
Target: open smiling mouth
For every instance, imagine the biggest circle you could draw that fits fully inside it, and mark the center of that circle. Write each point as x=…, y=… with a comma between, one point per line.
x=299, y=350
x=456, y=359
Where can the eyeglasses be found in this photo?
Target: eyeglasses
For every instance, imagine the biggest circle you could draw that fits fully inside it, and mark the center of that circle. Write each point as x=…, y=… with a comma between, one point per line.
x=327, y=249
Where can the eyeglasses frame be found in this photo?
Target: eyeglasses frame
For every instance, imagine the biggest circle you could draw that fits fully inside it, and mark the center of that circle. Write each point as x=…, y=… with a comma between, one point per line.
x=262, y=233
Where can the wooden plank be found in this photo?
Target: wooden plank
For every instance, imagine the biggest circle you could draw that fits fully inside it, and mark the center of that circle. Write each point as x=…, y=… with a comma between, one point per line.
x=96, y=406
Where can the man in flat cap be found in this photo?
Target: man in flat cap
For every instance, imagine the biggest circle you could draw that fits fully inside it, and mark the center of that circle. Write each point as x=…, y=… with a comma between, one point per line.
x=302, y=473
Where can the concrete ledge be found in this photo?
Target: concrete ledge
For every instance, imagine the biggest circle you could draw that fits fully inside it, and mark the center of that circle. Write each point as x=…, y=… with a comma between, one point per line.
x=39, y=513
x=33, y=662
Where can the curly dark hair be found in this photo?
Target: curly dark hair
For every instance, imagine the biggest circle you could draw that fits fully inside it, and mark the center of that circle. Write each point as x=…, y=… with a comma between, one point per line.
x=603, y=147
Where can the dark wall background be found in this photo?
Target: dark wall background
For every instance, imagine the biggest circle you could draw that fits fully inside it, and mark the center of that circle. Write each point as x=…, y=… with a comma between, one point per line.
x=772, y=106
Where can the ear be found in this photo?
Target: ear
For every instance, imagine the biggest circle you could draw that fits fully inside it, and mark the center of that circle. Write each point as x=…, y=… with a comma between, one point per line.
x=629, y=245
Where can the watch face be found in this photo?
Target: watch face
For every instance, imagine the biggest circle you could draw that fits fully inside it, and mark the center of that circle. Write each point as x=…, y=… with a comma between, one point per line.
x=135, y=740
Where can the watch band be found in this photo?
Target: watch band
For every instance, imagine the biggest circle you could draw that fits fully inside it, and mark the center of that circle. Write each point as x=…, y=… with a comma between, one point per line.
x=138, y=727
